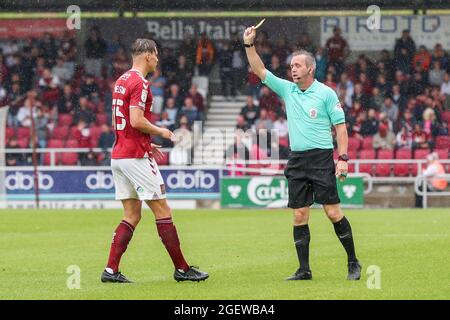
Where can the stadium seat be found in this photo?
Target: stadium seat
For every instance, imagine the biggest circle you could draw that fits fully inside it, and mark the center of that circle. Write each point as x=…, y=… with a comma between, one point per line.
x=102, y=118
x=442, y=153
x=95, y=132
x=367, y=143
x=69, y=158
x=384, y=169
x=72, y=143
x=446, y=116
x=419, y=154
x=65, y=120
x=402, y=169
x=9, y=133
x=354, y=144
x=23, y=132
x=23, y=142
x=60, y=133
x=366, y=167
x=442, y=142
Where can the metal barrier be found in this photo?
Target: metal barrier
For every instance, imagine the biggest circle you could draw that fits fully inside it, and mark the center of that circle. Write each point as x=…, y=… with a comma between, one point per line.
x=422, y=180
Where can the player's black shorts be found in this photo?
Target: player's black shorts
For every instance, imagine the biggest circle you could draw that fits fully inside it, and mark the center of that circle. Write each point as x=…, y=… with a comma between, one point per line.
x=311, y=178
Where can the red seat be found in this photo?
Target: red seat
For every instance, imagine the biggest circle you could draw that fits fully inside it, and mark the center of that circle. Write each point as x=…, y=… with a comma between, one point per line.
x=23, y=142
x=95, y=132
x=419, y=154
x=442, y=142
x=60, y=133
x=154, y=118
x=165, y=159
x=367, y=143
x=102, y=118
x=366, y=167
x=72, y=143
x=442, y=153
x=446, y=116
x=65, y=120
x=9, y=133
x=23, y=132
x=69, y=158
x=402, y=169
x=384, y=169
x=354, y=144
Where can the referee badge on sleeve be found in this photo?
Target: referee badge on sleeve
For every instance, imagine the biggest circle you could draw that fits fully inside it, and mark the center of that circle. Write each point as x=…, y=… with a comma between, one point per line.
x=339, y=107
x=313, y=113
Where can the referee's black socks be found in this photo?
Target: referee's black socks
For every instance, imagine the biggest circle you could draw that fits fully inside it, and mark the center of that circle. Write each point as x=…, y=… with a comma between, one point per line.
x=344, y=232
x=301, y=239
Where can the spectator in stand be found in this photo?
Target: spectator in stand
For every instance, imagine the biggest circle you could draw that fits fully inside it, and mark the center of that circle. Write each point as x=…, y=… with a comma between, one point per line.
x=29, y=109
x=433, y=177
x=269, y=101
x=157, y=84
x=13, y=159
x=250, y=111
x=120, y=63
x=90, y=89
x=165, y=121
x=188, y=49
x=403, y=62
x=321, y=64
x=407, y=43
x=407, y=121
x=95, y=48
x=440, y=55
x=16, y=99
x=253, y=84
x=281, y=126
x=445, y=91
x=168, y=64
x=403, y=139
x=47, y=47
x=239, y=70
x=338, y=50
x=190, y=111
x=329, y=81
x=377, y=99
x=370, y=126
x=384, y=139
x=68, y=102
x=107, y=137
x=398, y=99
x=61, y=71
x=83, y=112
x=49, y=85
x=41, y=123
x=390, y=109
x=241, y=123
x=196, y=96
x=346, y=84
x=174, y=93
x=356, y=125
x=183, y=74
x=225, y=59
x=420, y=139
x=171, y=110
x=281, y=51
x=417, y=84
x=360, y=96
x=276, y=67
x=387, y=65
x=205, y=55
x=264, y=120
x=89, y=159
x=83, y=135
x=422, y=58
x=430, y=124
x=67, y=51
x=436, y=75
x=107, y=99
x=237, y=152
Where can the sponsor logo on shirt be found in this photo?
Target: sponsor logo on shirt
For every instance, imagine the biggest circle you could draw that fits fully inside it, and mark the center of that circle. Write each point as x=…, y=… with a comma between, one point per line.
x=313, y=113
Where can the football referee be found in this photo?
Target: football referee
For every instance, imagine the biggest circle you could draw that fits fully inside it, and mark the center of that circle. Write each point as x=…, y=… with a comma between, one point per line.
x=312, y=108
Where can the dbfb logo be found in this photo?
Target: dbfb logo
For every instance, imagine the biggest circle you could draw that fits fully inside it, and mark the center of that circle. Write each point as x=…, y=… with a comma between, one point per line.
x=100, y=180
x=191, y=180
x=21, y=181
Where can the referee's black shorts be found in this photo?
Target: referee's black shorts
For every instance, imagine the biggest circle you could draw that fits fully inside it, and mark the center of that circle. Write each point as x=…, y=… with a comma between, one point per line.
x=311, y=178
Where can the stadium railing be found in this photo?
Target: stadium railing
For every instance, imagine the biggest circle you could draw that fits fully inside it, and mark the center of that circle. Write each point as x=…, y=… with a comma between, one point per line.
x=422, y=181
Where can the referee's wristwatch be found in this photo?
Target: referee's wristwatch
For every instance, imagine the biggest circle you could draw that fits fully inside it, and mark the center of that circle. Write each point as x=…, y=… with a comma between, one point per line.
x=343, y=157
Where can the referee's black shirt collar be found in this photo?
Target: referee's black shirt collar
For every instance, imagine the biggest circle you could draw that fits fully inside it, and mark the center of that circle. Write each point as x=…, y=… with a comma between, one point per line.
x=310, y=89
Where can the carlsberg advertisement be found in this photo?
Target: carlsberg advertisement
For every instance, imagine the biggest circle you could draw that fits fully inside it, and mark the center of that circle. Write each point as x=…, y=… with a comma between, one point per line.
x=272, y=192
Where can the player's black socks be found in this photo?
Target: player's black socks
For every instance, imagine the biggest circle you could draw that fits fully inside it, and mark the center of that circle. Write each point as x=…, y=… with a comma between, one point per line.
x=301, y=239
x=344, y=232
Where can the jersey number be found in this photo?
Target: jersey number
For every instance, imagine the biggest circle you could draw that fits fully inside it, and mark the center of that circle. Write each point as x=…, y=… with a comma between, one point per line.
x=118, y=114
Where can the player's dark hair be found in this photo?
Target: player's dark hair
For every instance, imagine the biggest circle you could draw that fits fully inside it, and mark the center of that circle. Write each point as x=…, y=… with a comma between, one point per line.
x=141, y=46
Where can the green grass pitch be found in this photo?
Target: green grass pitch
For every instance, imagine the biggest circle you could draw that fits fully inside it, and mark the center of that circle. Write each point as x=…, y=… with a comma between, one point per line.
x=248, y=253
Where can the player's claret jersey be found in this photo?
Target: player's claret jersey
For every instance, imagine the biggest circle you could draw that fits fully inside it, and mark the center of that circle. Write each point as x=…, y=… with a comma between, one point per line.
x=131, y=90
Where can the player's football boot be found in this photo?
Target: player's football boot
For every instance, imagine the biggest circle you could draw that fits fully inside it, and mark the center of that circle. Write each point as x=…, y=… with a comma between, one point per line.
x=354, y=271
x=114, y=277
x=301, y=275
x=192, y=274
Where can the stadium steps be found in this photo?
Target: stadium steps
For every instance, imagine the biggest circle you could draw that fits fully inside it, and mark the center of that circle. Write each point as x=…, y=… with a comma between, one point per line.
x=222, y=115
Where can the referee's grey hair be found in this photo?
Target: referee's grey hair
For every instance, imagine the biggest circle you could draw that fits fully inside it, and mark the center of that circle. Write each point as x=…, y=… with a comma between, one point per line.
x=309, y=57
x=141, y=46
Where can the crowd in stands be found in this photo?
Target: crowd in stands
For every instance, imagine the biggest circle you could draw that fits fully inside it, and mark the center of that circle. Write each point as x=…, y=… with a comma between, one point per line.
x=393, y=102
x=399, y=100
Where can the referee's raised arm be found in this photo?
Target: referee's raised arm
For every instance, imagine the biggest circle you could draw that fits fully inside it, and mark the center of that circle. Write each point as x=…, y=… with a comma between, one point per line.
x=253, y=58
